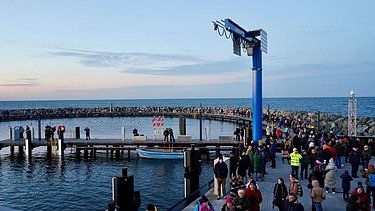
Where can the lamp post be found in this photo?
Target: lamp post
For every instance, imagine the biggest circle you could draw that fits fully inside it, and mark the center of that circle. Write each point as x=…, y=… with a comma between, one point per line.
x=318, y=119
x=253, y=42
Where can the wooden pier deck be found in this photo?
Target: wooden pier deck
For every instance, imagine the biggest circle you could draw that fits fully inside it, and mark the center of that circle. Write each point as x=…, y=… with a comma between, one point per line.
x=115, y=146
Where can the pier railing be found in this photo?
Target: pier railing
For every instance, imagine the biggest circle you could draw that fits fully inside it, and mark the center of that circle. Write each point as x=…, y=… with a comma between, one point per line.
x=192, y=197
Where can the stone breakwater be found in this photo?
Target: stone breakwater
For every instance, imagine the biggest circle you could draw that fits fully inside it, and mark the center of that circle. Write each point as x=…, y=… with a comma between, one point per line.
x=327, y=122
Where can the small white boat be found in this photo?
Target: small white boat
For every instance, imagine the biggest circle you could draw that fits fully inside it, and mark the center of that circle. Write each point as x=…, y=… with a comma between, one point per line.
x=160, y=154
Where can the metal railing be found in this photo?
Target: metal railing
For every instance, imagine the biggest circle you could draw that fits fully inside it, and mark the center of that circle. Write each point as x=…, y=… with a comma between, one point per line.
x=192, y=197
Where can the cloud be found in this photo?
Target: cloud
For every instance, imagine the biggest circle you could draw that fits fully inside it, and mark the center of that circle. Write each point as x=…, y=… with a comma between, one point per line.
x=21, y=82
x=155, y=64
x=316, y=70
x=326, y=29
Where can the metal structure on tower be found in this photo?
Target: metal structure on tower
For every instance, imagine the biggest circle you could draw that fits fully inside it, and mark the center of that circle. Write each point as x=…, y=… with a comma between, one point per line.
x=253, y=43
x=352, y=115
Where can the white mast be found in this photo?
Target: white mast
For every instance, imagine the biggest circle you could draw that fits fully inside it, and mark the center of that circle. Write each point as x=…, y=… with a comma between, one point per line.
x=352, y=115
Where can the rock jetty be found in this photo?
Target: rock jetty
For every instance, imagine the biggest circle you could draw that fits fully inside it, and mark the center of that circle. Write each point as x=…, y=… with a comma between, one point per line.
x=327, y=122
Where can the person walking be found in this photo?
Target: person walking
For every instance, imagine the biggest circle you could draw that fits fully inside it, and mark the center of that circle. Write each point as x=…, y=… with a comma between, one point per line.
x=317, y=195
x=171, y=136
x=258, y=166
x=221, y=173
x=280, y=193
x=355, y=160
x=305, y=160
x=345, y=184
x=87, y=130
x=330, y=178
x=295, y=161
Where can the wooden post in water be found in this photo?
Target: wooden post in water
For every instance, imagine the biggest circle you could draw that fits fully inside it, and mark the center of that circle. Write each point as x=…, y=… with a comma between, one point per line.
x=10, y=133
x=191, y=170
x=85, y=153
x=20, y=150
x=60, y=143
x=11, y=151
x=28, y=147
x=49, y=149
x=123, y=133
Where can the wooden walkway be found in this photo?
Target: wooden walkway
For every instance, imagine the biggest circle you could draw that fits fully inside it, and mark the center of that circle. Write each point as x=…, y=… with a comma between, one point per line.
x=118, y=146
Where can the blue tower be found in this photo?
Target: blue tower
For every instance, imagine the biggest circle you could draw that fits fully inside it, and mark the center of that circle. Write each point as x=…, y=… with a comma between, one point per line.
x=253, y=42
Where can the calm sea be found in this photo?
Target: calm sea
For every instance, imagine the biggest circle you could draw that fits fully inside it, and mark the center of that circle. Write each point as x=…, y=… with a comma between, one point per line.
x=77, y=184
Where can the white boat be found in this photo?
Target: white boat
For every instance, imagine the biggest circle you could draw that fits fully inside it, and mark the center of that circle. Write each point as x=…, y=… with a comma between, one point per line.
x=160, y=154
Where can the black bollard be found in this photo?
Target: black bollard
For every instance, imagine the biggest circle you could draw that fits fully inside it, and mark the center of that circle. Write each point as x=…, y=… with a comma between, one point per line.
x=78, y=133
x=192, y=170
x=124, y=196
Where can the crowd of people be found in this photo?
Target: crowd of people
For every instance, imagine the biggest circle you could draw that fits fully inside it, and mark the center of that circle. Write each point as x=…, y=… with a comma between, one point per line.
x=312, y=156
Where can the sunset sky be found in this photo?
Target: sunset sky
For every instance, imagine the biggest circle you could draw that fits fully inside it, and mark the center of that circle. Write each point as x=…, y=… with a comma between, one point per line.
x=168, y=49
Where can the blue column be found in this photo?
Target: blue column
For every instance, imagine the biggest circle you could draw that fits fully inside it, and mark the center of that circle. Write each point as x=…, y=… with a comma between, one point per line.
x=257, y=93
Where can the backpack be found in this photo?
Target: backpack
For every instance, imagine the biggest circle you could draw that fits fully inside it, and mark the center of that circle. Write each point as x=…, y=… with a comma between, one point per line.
x=300, y=190
x=371, y=180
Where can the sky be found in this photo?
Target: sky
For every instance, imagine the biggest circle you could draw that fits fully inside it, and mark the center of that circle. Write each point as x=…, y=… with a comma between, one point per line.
x=168, y=49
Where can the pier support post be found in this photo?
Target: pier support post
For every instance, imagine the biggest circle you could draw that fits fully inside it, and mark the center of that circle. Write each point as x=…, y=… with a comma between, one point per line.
x=123, y=195
x=20, y=150
x=28, y=147
x=123, y=133
x=39, y=128
x=86, y=153
x=192, y=170
x=208, y=136
x=10, y=133
x=182, y=125
x=11, y=151
x=60, y=143
x=78, y=133
x=49, y=149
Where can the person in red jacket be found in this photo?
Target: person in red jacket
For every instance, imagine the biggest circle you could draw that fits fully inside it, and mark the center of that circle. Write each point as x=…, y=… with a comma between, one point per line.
x=253, y=194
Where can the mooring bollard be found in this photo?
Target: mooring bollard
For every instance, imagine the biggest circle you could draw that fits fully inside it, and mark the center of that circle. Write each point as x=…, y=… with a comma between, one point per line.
x=123, y=195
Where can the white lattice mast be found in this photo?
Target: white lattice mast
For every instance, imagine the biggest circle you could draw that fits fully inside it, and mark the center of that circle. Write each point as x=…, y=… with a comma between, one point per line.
x=352, y=115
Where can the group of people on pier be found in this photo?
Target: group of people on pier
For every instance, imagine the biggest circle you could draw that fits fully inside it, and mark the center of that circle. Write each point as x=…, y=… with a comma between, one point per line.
x=312, y=155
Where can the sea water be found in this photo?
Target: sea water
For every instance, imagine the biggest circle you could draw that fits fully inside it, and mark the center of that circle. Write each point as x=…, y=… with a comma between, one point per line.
x=78, y=184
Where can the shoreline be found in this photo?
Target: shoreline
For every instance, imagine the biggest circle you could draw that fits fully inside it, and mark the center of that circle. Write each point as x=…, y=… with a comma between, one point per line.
x=327, y=122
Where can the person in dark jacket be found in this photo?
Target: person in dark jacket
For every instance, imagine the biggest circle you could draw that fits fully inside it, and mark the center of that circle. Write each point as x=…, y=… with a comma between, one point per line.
x=233, y=164
x=280, y=192
x=221, y=173
x=316, y=174
x=243, y=166
x=272, y=153
x=355, y=160
x=305, y=160
x=345, y=185
x=292, y=204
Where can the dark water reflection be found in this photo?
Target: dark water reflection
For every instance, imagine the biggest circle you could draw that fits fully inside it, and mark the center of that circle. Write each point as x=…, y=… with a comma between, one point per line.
x=77, y=184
